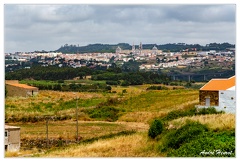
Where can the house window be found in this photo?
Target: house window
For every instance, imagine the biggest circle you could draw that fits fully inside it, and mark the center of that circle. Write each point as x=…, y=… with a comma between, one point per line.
x=6, y=134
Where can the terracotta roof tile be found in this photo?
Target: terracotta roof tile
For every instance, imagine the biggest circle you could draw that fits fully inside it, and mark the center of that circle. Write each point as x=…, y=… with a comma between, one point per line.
x=219, y=84
x=22, y=86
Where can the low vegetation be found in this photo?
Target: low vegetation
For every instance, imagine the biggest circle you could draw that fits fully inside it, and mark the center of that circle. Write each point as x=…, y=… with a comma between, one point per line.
x=155, y=129
x=216, y=122
x=120, y=146
x=104, y=113
x=131, y=122
x=196, y=140
x=196, y=133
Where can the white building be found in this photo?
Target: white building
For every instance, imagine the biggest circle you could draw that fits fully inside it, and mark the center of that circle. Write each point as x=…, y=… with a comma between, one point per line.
x=219, y=93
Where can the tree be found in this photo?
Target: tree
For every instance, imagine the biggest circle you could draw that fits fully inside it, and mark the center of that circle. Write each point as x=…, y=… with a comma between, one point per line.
x=109, y=88
x=155, y=129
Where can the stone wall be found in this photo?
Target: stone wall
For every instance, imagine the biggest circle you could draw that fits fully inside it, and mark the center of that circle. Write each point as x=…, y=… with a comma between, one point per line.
x=213, y=95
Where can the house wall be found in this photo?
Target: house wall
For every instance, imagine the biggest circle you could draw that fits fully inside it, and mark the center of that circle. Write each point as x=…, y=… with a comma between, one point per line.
x=213, y=95
x=227, y=101
x=12, y=142
x=19, y=91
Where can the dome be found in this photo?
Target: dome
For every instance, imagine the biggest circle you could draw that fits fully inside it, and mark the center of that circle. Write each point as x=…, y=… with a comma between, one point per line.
x=118, y=50
x=154, y=48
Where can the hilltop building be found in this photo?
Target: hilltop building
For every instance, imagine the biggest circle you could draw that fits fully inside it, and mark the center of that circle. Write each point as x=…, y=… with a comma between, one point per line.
x=140, y=51
x=219, y=93
x=118, y=50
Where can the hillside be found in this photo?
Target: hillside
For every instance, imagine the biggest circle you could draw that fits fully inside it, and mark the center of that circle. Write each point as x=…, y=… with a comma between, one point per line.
x=116, y=124
x=173, y=47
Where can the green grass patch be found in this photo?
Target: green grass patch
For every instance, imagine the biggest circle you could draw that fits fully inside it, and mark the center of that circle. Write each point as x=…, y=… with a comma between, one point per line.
x=159, y=100
x=175, y=138
x=104, y=113
x=190, y=112
x=86, y=81
x=209, y=144
x=196, y=140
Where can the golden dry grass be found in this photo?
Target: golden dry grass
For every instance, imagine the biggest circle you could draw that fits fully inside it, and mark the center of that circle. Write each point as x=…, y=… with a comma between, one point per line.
x=135, y=145
x=213, y=121
x=147, y=116
x=18, y=106
x=67, y=129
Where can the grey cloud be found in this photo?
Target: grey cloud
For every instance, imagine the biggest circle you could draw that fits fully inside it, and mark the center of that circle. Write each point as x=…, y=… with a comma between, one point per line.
x=37, y=27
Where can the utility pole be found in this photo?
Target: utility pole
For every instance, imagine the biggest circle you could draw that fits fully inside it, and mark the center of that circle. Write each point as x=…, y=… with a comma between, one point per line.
x=77, y=116
x=47, y=131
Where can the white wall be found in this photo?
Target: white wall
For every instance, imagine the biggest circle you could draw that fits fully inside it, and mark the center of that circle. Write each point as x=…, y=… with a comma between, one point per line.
x=227, y=101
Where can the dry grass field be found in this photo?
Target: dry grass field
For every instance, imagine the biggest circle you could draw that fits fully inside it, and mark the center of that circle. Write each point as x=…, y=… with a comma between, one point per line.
x=214, y=121
x=140, y=108
x=67, y=129
x=136, y=145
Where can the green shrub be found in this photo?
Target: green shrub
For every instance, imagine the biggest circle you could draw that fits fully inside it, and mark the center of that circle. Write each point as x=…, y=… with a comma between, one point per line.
x=110, y=102
x=185, y=134
x=125, y=83
x=209, y=144
x=190, y=112
x=111, y=82
x=155, y=129
x=154, y=88
x=210, y=110
x=109, y=88
x=124, y=91
x=104, y=113
x=179, y=113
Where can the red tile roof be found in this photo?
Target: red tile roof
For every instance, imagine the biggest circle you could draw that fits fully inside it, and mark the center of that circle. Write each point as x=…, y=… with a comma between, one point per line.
x=219, y=84
x=22, y=86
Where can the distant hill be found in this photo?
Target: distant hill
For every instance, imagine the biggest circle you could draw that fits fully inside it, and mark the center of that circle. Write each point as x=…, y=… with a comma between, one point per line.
x=173, y=47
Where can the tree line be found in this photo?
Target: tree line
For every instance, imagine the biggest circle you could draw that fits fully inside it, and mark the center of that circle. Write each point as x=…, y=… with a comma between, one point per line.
x=113, y=76
x=173, y=47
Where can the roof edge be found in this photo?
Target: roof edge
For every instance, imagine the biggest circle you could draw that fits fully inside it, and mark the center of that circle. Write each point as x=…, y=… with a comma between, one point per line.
x=216, y=79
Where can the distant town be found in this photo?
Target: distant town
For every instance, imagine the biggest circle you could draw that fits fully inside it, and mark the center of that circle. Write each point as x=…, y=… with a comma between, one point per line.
x=152, y=59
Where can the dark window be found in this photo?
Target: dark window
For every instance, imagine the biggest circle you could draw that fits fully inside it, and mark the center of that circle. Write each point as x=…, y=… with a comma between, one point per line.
x=6, y=133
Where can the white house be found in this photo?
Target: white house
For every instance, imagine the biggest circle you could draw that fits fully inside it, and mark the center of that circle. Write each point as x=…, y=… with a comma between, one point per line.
x=219, y=93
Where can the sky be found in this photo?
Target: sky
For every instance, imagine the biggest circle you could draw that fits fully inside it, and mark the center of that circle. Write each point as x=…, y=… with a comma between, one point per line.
x=30, y=27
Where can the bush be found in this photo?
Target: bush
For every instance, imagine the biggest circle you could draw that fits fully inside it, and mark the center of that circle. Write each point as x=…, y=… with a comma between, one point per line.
x=109, y=88
x=220, y=144
x=104, y=113
x=210, y=110
x=157, y=88
x=155, y=129
x=111, y=82
x=179, y=113
x=60, y=81
x=154, y=88
x=125, y=83
x=190, y=112
x=124, y=91
x=185, y=134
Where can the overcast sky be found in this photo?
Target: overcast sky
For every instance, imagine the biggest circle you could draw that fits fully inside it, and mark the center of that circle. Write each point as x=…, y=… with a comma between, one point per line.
x=47, y=27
